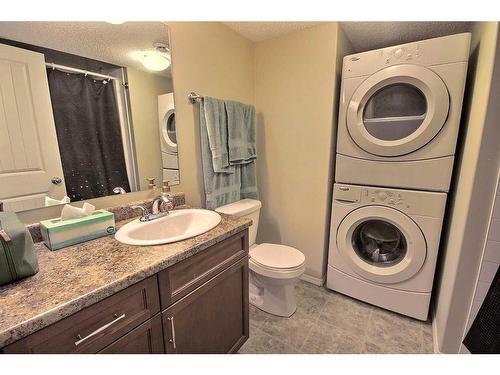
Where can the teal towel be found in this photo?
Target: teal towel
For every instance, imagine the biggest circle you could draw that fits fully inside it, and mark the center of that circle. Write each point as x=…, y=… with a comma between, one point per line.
x=215, y=118
x=223, y=188
x=241, y=133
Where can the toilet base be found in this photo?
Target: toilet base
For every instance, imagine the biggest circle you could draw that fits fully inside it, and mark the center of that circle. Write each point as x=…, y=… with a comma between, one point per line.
x=275, y=296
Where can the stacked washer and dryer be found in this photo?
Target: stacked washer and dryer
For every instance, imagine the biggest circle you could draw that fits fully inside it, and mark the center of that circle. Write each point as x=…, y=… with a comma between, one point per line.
x=168, y=136
x=399, y=118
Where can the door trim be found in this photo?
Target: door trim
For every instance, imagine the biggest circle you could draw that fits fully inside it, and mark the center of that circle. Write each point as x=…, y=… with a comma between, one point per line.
x=403, y=270
x=438, y=103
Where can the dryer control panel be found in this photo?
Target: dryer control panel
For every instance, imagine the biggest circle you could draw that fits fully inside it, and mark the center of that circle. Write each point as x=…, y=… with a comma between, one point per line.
x=409, y=201
x=443, y=50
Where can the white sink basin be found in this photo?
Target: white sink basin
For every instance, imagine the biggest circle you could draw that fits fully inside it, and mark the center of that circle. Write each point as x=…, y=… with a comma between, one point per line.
x=177, y=226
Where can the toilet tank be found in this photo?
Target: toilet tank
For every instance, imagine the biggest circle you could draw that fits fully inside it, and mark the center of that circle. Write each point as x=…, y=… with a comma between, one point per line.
x=244, y=208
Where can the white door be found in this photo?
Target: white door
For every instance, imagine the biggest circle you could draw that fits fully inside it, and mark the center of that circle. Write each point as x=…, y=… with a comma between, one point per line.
x=381, y=244
x=398, y=110
x=29, y=153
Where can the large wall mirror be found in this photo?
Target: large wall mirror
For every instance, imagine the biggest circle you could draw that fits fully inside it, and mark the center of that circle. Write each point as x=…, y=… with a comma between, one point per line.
x=87, y=110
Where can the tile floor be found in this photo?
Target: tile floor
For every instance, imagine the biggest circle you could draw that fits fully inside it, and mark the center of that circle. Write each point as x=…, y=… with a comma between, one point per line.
x=329, y=322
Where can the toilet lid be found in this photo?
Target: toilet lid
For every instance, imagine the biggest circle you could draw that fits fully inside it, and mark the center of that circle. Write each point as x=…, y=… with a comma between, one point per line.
x=277, y=256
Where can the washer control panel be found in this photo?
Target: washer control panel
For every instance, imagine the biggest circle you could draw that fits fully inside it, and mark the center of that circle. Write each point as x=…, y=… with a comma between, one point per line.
x=388, y=197
x=411, y=202
x=368, y=195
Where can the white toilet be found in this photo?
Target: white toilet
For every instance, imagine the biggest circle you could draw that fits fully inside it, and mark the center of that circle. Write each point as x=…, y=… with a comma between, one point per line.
x=274, y=269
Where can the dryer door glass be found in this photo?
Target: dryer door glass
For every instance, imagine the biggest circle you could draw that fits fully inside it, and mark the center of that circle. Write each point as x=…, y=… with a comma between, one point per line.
x=379, y=243
x=394, y=112
x=170, y=126
x=397, y=110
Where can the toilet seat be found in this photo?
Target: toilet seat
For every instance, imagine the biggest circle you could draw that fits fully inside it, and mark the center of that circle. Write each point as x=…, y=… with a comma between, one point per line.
x=276, y=261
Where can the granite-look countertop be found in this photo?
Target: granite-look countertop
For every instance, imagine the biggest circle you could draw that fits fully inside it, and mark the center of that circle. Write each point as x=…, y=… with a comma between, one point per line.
x=78, y=276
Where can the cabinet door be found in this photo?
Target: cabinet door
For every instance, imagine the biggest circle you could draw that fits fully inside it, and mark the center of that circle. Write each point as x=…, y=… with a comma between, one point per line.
x=213, y=318
x=145, y=339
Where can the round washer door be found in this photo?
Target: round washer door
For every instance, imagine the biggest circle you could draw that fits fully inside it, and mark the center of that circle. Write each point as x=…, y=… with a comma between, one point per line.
x=381, y=244
x=397, y=110
x=168, y=131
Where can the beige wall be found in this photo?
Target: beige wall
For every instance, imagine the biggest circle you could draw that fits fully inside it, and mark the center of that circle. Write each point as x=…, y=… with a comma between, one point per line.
x=144, y=89
x=213, y=60
x=470, y=205
x=295, y=95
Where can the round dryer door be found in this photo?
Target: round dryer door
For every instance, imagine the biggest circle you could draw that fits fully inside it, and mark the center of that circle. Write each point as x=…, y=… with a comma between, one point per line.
x=397, y=110
x=381, y=244
x=168, y=130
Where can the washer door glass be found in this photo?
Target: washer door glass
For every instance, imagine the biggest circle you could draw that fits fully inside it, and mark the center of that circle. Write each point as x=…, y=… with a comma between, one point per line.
x=397, y=110
x=394, y=112
x=379, y=243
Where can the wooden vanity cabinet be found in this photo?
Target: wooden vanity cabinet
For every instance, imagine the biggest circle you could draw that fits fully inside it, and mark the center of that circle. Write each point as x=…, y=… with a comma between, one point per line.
x=199, y=305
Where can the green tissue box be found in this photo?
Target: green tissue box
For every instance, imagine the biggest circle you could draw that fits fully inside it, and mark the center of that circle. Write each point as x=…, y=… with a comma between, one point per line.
x=57, y=234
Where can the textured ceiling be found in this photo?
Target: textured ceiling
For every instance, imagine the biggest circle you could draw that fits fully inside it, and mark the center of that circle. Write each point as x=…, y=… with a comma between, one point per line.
x=97, y=40
x=259, y=31
x=366, y=36
x=363, y=35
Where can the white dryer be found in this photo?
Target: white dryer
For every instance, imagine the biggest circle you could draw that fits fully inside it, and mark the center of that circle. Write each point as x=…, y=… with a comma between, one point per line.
x=384, y=245
x=399, y=114
x=168, y=136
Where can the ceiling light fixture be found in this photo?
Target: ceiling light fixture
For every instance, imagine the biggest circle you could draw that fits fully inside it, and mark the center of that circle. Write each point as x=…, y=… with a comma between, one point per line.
x=156, y=59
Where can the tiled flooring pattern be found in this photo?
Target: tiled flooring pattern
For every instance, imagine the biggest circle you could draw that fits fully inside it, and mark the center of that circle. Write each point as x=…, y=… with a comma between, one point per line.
x=329, y=322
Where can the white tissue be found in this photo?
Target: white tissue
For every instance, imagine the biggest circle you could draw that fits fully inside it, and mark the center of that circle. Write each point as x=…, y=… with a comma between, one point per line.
x=70, y=212
x=54, y=202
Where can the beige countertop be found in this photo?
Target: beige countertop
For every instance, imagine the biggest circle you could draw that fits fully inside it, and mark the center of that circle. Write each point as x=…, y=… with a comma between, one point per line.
x=75, y=277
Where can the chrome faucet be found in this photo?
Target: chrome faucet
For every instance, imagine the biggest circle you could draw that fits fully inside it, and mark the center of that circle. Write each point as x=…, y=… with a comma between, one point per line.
x=161, y=206
x=119, y=190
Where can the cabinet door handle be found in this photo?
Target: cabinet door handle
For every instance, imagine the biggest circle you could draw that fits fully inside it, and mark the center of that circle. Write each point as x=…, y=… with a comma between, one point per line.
x=172, y=326
x=98, y=330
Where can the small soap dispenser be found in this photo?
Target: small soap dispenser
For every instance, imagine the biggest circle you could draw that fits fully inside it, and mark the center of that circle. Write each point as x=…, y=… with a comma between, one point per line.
x=151, y=183
x=165, y=188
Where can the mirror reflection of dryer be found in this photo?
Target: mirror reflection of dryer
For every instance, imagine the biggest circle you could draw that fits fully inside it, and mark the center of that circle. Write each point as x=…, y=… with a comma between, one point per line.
x=168, y=135
x=400, y=112
x=384, y=246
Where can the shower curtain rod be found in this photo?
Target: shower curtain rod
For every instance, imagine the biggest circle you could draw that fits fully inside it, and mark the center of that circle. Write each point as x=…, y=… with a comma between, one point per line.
x=76, y=70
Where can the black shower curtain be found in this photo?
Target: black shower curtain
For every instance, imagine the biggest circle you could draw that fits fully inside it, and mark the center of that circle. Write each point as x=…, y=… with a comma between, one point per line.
x=89, y=135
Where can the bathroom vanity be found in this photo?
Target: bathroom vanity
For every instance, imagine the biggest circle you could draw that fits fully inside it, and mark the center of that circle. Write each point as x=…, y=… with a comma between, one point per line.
x=106, y=297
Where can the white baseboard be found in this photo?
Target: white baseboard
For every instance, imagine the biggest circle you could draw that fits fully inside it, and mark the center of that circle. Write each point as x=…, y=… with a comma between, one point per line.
x=313, y=280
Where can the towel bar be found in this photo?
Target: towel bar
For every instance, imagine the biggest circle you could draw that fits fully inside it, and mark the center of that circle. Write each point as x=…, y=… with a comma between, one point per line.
x=193, y=97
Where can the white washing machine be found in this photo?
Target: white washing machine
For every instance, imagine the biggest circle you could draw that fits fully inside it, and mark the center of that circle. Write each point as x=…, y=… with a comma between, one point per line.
x=384, y=245
x=399, y=114
x=168, y=135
